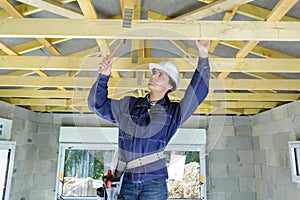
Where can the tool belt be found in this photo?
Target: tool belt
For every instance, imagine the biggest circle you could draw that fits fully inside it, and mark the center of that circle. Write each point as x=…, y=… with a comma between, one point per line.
x=112, y=182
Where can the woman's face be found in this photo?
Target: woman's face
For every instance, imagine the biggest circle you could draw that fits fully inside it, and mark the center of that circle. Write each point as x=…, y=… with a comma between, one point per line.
x=159, y=81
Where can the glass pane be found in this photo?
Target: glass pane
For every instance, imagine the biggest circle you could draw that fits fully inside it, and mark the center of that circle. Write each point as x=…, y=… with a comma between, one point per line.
x=184, y=174
x=82, y=169
x=4, y=160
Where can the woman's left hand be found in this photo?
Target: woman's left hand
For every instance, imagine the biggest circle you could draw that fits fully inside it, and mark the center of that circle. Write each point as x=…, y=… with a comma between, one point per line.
x=203, y=47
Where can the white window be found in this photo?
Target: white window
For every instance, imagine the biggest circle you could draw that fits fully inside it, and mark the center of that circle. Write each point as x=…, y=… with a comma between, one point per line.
x=82, y=162
x=7, y=152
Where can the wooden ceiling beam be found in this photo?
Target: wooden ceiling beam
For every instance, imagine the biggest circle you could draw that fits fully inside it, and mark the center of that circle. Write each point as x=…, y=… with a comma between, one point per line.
x=131, y=83
x=55, y=8
x=72, y=63
x=212, y=9
x=261, y=97
x=147, y=29
x=83, y=102
x=85, y=109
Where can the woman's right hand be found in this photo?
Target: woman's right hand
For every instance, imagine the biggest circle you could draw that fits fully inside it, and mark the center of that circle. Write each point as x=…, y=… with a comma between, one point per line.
x=106, y=65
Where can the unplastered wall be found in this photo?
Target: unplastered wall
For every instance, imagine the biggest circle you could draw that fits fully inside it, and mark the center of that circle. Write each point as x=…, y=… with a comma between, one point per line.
x=230, y=172
x=271, y=132
x=246, y=156
x=34, y=169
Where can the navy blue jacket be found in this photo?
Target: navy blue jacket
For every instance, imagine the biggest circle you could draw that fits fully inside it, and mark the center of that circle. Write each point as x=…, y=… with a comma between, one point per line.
x=146, y=129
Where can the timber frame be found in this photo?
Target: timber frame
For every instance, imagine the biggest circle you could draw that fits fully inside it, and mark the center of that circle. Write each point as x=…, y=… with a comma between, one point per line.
x=59, y=81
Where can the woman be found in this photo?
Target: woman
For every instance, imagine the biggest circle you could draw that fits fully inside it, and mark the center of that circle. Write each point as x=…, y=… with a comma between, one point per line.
x=147, y=124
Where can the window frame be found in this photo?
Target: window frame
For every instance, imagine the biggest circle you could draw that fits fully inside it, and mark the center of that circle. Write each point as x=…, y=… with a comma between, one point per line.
x=8, y=145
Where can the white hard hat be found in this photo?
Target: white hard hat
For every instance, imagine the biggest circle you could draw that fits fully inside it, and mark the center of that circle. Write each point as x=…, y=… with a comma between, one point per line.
x=168, y=67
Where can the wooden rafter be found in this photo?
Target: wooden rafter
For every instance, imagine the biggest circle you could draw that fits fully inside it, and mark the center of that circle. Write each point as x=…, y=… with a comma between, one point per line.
x=55, y=8
x=212, y=9
x=261, y=97
x=129, y=83
x=73, y=63
x=275, y=15
x=176, y=30
x=218, y=101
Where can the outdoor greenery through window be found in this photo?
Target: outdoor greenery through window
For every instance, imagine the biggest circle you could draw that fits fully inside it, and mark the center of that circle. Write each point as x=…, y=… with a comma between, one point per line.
x=82, y=168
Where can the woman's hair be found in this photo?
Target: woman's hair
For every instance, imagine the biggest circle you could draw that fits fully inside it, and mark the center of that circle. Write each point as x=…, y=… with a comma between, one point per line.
x=172, y=83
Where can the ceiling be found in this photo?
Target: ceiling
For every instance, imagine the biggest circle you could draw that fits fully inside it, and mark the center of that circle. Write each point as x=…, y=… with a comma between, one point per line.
x=50, y=50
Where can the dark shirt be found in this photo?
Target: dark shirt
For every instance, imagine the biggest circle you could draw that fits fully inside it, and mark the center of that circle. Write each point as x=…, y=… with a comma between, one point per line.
x=146, y=129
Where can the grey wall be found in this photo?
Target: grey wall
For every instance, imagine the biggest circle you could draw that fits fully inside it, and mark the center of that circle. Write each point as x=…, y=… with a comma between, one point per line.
x=271, y=132
x=247, y=156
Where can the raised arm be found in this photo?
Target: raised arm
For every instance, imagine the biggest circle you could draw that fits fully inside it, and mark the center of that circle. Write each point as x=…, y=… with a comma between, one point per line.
x=198, y=87
x=98, y=101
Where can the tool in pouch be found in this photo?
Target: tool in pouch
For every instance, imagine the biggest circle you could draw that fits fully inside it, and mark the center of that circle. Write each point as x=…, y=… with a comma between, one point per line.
x=112, y=182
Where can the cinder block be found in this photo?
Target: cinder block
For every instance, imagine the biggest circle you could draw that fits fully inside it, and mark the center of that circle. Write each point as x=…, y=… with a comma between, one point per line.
x=255, y=143
x=220, y=121
x=223, y=156
x=18, y=124
x=243, y=130
x=30, y=126
x=7, y=110
x=242, y=195
x=292, y=194
x=47, y=153
x=241, y=121
x=272, y=158
x=218, y=170
x=42, y=167
x=45, y=118
x=270, y=128
x=286, y=125
x=227, y=184
x=246, y=184
x=266, y=142
x=25, y=167
x=264, y=117
x=48, y=128
x=42, y=140
x=25, y=152
x=241, y=170
x=294, y=108
x=280, y=192
x=257, y=129
x=46, y=181
x=257, y=171
x=279, y=113
x=214, y=142
x=22, y=113
x=268, y=173
x=261, y=187
x=38, y=194
x=246, y=156
x=217, y=195
x=192, y=122
x=239, y=142
x=221, y=131
x=260, y=157
x=281, y=140
x=283, y=177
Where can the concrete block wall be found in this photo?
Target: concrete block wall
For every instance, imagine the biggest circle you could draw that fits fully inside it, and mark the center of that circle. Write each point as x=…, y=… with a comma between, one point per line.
x=271, y=132
x=247, y=156
x=230, y=172
x=35, y=163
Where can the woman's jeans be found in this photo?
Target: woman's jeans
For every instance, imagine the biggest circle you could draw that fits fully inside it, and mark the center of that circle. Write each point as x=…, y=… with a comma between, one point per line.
x=155, y=189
